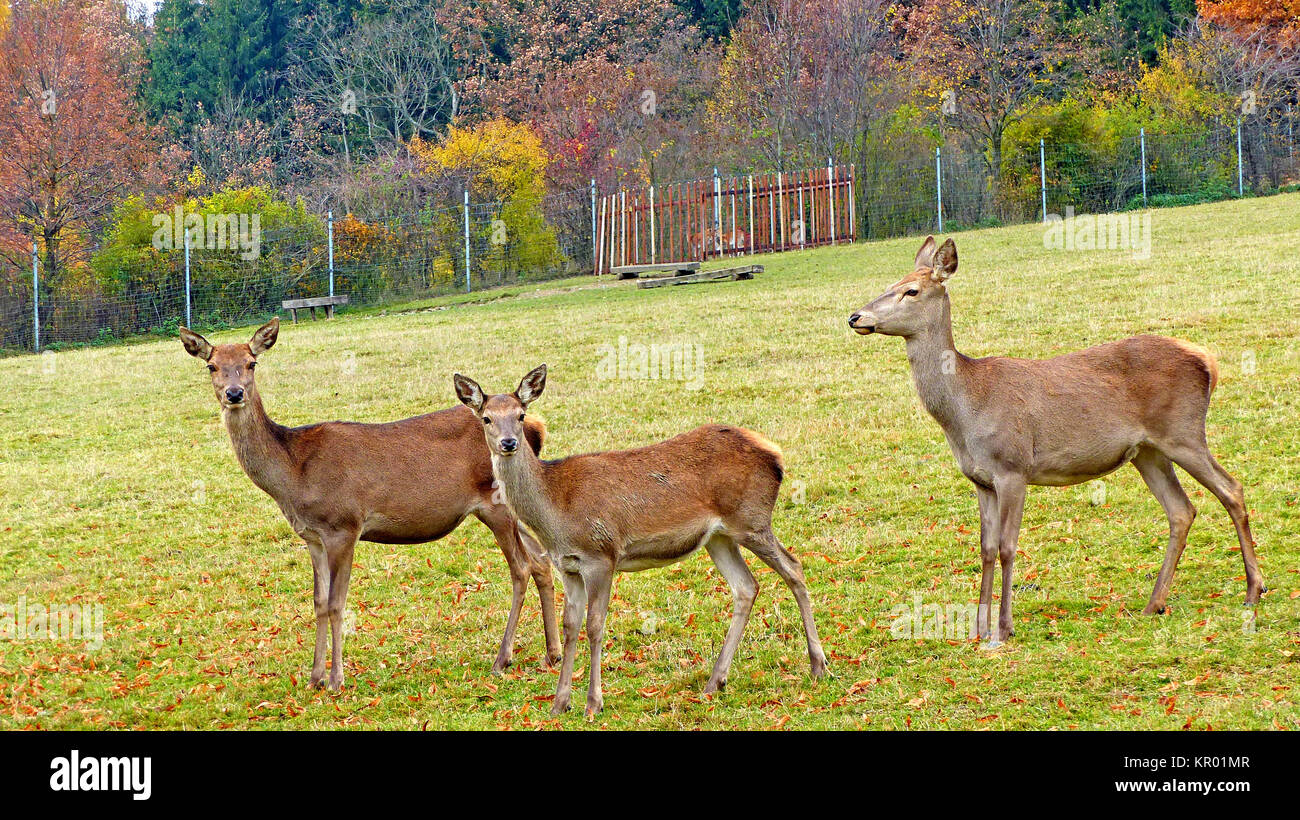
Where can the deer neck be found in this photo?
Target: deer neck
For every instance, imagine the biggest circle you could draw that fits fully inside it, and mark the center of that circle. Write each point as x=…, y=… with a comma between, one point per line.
x=259, y=446
x=522, y=478
x=938, y=369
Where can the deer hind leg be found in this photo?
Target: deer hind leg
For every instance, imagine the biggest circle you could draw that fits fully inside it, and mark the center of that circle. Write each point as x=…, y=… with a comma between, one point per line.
x=1201, y=465
x=765, y=545
x=726, y=556
x=503, y=529
x=990, y=535
x=575, y=598
x=339, y=549
x=1011, y=508
x=1158, y=473
x=320, y=571
x=597, y=580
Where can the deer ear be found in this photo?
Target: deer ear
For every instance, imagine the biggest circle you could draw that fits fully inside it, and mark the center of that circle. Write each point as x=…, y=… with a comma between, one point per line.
x=925, y=256
x=195, y=345
x=532, y=385
x=469, y=393
x=945, y=262
x=265, y=336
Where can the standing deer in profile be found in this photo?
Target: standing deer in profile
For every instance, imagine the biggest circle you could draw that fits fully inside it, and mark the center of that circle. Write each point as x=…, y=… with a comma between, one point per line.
x=1060, y=421
x=405, y=482
x=630, y=510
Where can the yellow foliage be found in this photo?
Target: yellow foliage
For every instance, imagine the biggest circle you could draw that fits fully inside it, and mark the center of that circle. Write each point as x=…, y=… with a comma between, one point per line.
x=504, y=158
x=1176, y=89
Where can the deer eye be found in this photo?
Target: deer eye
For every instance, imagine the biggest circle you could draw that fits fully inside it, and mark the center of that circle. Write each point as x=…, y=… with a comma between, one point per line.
x=521, y=416
x=212, y=368
x=487, y=420
x=911, y=292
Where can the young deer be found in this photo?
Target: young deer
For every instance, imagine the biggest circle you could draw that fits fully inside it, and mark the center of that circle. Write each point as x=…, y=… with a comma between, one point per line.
x=405, y=482
x=1060, y=421
x=630, y=510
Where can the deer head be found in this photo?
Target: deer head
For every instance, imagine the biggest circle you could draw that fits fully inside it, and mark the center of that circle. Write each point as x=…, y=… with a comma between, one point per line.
x=502, y=415
x=231, y=365
x=914, y=302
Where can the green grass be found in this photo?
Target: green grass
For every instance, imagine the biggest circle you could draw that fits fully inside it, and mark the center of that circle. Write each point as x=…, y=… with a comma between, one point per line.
x=118, y=487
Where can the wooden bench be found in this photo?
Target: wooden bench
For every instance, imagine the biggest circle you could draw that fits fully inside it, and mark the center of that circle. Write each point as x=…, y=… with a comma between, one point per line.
x=676, y=268
x=327, y=302
x=744, y=272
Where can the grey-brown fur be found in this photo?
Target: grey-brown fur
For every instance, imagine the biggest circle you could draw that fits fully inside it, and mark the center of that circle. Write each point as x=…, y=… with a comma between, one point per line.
x=1073, y=418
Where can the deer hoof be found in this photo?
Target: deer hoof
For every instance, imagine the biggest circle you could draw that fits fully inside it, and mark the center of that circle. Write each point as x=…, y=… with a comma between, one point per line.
x=593, y=709
x=820, y=668
x=559, y=707
x=316, y=682
x=500, y=666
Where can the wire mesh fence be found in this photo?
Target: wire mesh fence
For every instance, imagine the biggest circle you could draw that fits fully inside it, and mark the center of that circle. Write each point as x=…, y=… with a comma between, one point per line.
x=909, y=188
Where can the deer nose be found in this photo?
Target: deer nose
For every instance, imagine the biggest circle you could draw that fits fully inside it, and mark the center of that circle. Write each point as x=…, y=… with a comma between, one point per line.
x=509, y=445
x=868, y=322
x=234, y=395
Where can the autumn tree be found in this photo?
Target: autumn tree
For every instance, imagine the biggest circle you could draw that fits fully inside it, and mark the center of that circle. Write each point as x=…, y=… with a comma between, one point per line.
x=384, y=80
x=1281, y=18
x=804, y=80
x=987, y=63
x=71, y=139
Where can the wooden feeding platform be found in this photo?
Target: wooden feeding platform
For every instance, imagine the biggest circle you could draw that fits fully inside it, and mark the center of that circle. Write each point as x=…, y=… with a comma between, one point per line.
x=676, y=268
x=723, y=275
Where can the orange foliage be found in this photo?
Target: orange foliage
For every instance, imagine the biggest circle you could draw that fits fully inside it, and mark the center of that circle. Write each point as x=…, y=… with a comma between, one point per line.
x=1283, y=15
x=356, y=240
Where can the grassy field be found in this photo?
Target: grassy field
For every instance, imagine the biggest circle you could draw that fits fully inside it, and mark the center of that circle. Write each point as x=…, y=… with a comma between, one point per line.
x=118, y=487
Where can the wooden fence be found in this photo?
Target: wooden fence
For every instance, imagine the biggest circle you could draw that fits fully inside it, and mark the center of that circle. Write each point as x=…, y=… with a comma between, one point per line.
x=725, y=216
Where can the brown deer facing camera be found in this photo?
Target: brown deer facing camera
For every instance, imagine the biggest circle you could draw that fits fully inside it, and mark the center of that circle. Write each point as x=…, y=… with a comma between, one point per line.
x=1060, y=421
x=405, y=482
x=629, y=510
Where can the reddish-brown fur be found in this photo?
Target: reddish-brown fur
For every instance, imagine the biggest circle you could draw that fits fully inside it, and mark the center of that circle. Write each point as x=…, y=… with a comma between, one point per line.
x=629, y=510
x=402, y=482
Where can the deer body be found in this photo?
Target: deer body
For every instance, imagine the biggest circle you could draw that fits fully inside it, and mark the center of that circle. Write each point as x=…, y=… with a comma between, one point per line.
x=631, y=510
x=1016, y=422
x=403, y=482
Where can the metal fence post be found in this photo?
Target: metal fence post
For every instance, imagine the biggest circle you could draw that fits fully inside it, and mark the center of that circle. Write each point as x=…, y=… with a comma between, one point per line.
x=830, y=194
x=329, y=223
x=652, y=224
x=780, y=204
x=1143, y=135
x=938, y=184
x=717, y=210
x=593, y=221
x=467, y=281
x=1042, y=175
x=36, y=301
x=751, y=214
x=1241, y=190
x=188, y=322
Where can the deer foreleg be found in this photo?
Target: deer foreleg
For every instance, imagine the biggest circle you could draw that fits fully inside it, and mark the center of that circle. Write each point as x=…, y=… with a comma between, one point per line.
x=597, y=581
x=320, y=571
x=1011, y=507
x=339, y=548
x=575, y=598
x=989, y=538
